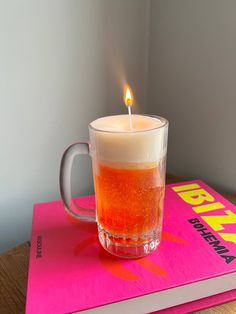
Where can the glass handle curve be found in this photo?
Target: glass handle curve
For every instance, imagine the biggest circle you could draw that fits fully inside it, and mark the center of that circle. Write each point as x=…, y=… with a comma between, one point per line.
x=85, y=214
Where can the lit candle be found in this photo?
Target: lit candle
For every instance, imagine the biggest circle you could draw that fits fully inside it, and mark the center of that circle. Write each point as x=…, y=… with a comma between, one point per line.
x=129, y=178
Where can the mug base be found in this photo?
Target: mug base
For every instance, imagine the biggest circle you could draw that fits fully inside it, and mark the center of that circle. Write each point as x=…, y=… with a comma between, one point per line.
x=128, y=247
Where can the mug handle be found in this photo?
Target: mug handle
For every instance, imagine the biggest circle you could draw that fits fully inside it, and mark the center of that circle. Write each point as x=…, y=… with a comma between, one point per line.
x=85, y=214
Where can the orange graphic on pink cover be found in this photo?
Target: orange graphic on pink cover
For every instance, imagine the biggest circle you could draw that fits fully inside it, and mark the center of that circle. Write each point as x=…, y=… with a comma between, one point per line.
x=66, y=257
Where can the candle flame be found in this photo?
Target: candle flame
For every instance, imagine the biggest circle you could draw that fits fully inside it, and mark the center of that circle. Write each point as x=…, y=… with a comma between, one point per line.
x=128, y=98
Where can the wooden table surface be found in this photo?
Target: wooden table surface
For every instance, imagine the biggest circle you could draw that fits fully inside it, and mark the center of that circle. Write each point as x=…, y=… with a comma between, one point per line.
x=14, y=270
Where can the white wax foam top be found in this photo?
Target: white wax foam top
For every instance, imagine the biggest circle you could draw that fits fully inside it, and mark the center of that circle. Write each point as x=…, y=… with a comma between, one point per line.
x=121, y=123
x=113, y=141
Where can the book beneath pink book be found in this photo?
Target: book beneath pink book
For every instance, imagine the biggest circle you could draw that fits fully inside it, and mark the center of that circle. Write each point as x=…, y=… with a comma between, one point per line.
x=193, y=268
x=200, y=304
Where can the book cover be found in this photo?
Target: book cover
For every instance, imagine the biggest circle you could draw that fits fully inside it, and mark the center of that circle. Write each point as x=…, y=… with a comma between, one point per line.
x=69, y=271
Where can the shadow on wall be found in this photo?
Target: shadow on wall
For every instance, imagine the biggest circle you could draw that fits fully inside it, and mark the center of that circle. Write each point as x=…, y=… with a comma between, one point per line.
x=192, y=74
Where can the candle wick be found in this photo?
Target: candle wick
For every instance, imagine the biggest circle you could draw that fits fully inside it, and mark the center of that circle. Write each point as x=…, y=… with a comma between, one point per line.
x=130, y=118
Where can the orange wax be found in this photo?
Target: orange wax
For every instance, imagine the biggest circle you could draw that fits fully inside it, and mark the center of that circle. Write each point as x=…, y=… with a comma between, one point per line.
x=129, y=198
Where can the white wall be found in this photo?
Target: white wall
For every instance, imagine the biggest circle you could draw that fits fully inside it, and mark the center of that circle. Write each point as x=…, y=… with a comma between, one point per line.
x=62, y=64
x=192, y=81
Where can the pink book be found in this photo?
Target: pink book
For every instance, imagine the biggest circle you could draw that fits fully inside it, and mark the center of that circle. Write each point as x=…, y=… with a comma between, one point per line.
x=194, y=267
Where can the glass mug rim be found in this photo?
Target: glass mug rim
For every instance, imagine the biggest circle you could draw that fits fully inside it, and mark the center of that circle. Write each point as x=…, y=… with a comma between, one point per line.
x=162, y=119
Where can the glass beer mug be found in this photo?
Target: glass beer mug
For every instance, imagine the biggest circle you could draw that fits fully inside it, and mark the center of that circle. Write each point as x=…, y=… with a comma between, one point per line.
x=129, y=168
